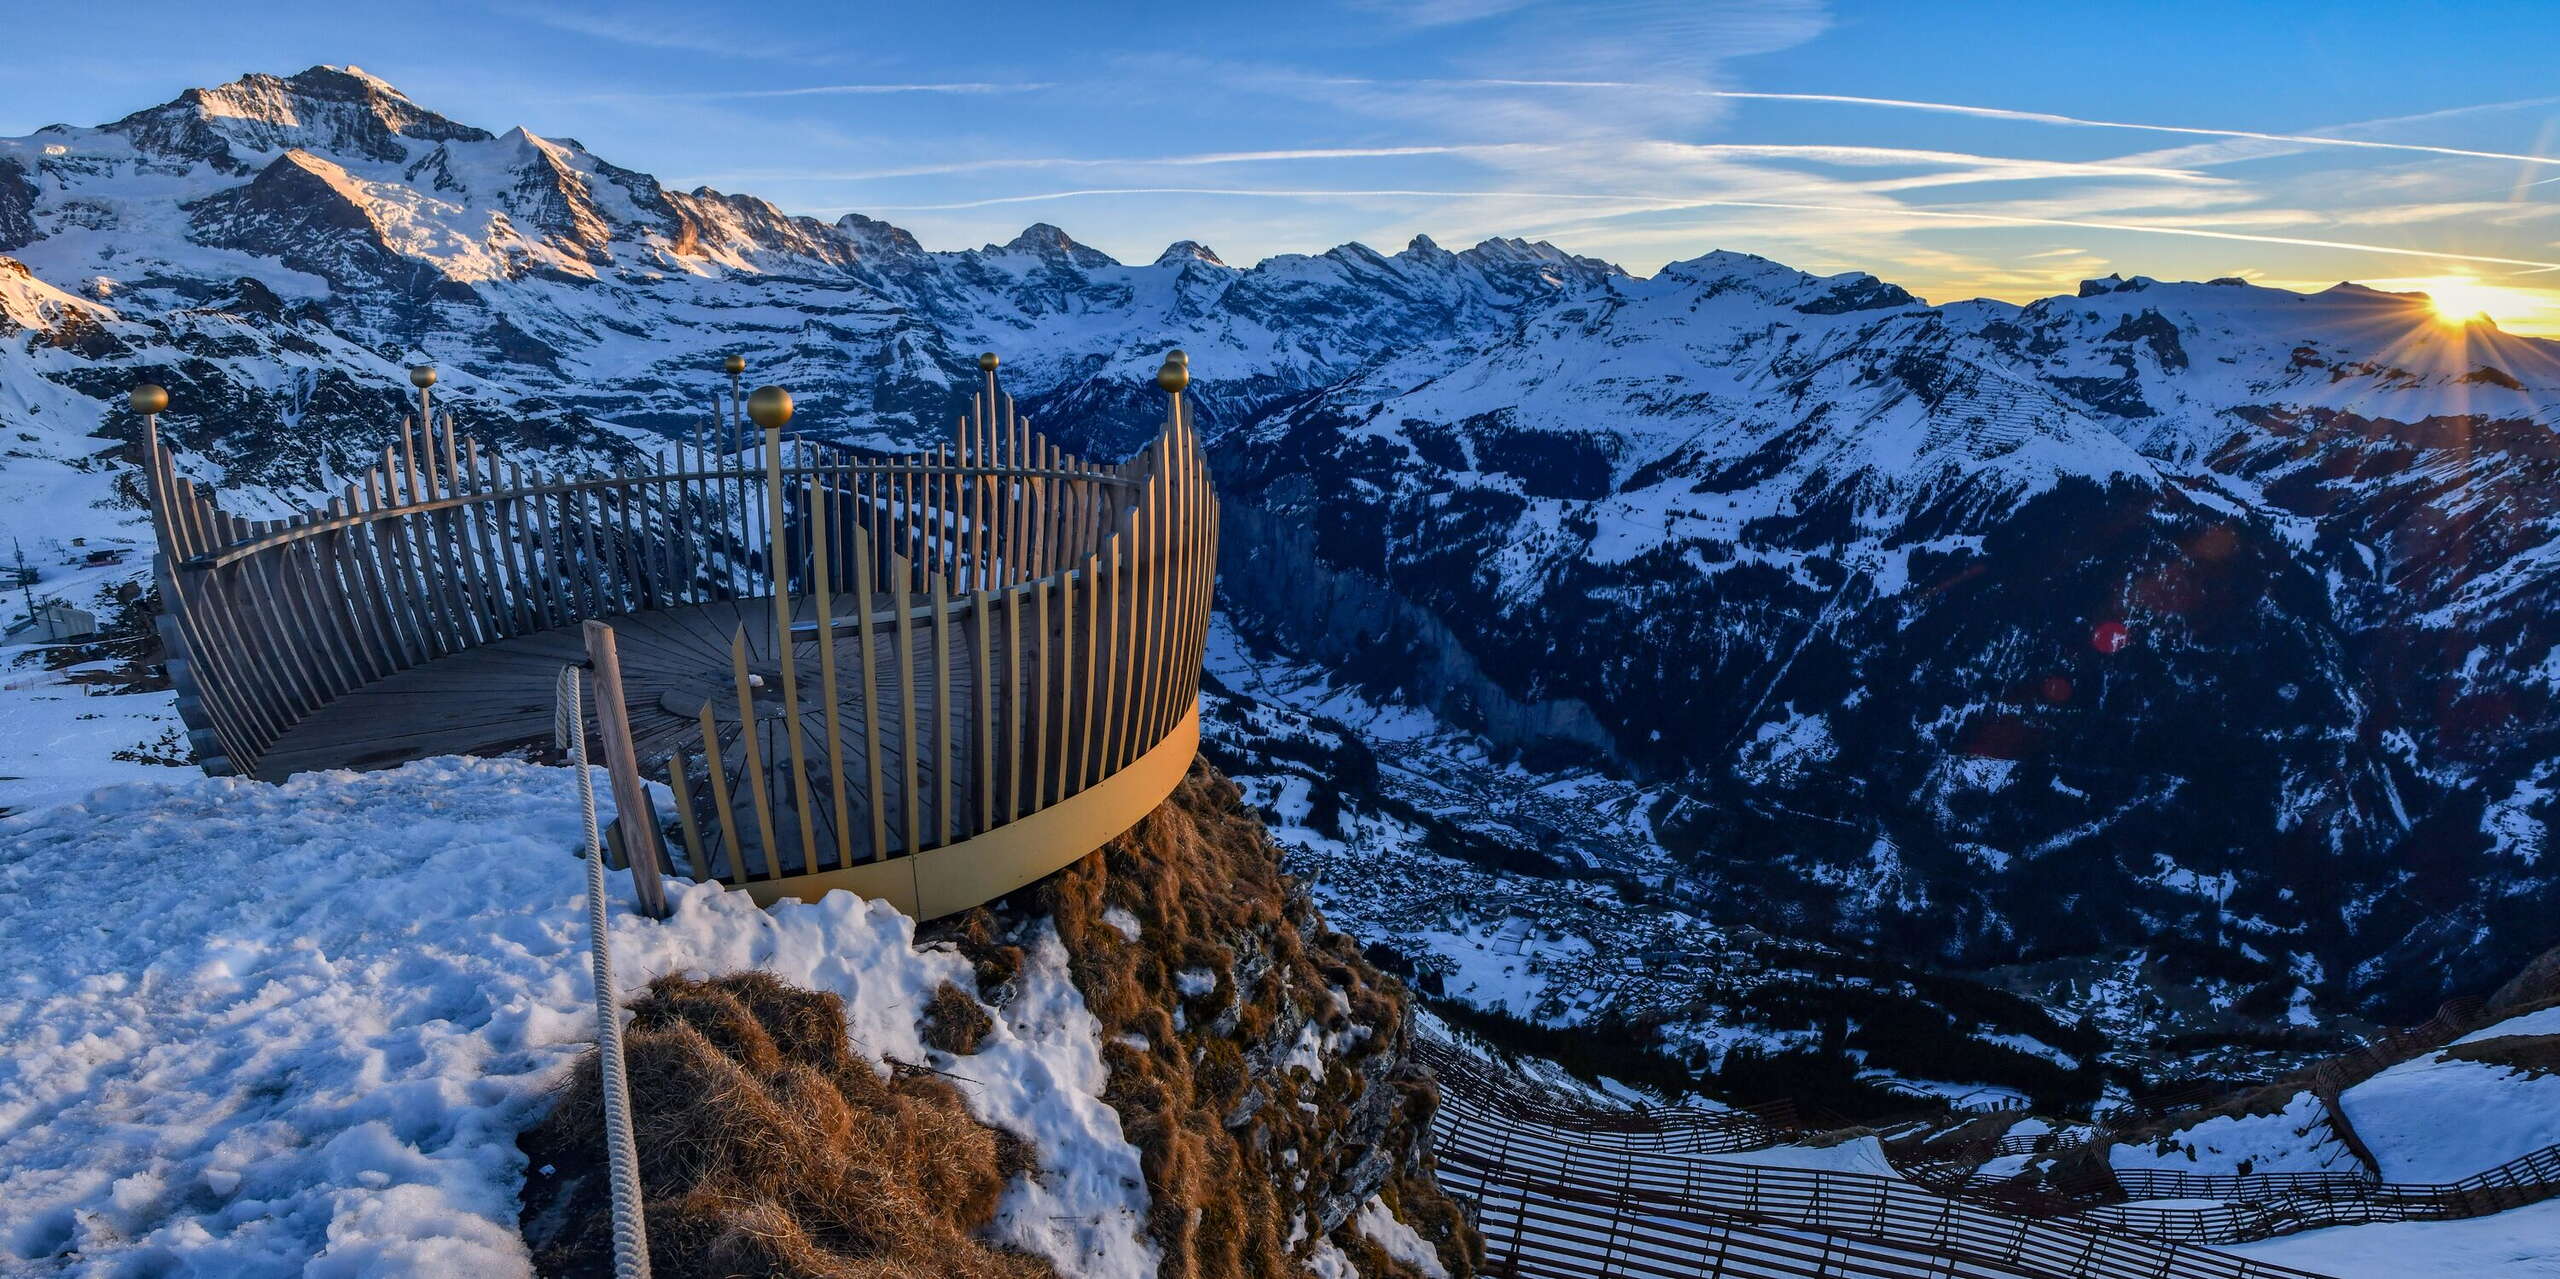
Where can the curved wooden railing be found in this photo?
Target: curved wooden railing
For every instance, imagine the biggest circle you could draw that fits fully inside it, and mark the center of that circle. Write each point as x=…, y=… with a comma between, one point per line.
x=991, y=638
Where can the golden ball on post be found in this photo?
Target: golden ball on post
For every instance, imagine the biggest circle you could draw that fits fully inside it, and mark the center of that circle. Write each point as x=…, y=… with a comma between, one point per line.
x=734, y=365
x=1173, y=376
x=1177, y=357
x=987, y=361
x=770, y=406
x=148, y=398
x=423, y=376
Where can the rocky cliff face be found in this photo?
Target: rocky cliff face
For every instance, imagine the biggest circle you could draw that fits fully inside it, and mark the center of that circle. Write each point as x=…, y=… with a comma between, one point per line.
x=1259, y=1065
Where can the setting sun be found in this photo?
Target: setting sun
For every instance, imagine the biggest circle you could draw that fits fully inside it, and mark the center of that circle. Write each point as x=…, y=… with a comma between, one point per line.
x=2461, y=299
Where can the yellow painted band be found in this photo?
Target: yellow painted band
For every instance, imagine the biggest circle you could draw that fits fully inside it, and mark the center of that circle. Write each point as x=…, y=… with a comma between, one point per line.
x=955, y=877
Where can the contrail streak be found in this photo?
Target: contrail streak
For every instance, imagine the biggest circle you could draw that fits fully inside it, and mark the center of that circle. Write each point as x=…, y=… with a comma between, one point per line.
x=2033, y=117
x=819, y=90
x=2081, y=122
x=1816, y=152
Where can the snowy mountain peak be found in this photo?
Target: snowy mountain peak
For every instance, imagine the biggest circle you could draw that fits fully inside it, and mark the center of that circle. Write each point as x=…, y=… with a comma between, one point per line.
x=1726, y=271
x=332, y=110
x=875, y=237
x=1181, y=251
x=2115, y=283
x=1042, y=239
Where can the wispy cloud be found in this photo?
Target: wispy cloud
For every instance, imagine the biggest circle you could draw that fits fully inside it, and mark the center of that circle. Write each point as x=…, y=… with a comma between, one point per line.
x=1099, y=162
x=2082, y=122
x=1300, y=193
x=1974, y=168
x=2146, y=227
x=828, y=90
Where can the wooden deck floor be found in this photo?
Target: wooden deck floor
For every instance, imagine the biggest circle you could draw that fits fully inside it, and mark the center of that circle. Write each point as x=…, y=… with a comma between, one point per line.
x=499, y=697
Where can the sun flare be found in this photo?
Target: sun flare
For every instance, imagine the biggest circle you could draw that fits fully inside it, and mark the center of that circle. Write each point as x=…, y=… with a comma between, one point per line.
x=2461, y=299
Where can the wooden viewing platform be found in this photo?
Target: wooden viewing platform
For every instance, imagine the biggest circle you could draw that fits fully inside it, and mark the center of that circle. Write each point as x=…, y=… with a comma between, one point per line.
x=928, y=678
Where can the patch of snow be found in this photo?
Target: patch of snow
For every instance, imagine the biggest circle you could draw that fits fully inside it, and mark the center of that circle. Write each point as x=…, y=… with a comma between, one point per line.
x=1122, y=920
x=296, y=1029
x=1376, y=1220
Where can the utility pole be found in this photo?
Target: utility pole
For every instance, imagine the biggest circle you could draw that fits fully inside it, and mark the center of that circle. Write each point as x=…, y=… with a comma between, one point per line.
x=26, y=580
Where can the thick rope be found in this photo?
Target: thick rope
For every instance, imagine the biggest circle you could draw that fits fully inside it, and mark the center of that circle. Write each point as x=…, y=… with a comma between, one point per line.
x=622, y=1152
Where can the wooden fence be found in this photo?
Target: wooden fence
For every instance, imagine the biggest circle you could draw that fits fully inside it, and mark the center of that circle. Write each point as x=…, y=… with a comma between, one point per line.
x=920, y=651
x=1562, y=1195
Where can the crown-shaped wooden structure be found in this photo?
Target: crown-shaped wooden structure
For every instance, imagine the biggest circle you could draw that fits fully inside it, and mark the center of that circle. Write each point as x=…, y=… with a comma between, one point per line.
x=929, y=678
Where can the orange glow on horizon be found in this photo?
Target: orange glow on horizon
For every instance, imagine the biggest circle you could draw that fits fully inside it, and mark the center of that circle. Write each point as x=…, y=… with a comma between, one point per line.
x=2460, y=300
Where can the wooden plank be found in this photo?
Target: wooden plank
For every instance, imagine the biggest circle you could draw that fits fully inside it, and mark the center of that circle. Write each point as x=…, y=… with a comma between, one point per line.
x=1149, y=607
x=1068, y=782
x=354, y=600
x=1016, y=688
x=752, y=775
x=732, y=849
x=380, y=627
x=982, y=618
x=643, y=840
x=1043, y=700
x=787, y=654
x=1087, y=699
x=1115, y=633
x=902, y=603
x=546, y=553
x=869, y=651
x=425, y=606
x=944, y=721
x=820, y=573
x=508, y=554
x=676, y=782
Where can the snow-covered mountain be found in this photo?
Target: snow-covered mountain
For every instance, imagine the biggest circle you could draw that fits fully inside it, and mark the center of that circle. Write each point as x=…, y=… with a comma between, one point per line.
x=2191, y=636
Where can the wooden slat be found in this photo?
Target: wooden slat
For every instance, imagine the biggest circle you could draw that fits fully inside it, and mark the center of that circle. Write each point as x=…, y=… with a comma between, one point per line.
x=787, y=654
x=903, y=632
x=751, y=776
x=642, y=840
x=982, y=618
x=869, y=650
x=732, y=848
x=678, y=783
x=821, y=574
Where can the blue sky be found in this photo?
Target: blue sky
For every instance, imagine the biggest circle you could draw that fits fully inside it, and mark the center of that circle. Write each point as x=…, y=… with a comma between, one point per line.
x=2399, y=145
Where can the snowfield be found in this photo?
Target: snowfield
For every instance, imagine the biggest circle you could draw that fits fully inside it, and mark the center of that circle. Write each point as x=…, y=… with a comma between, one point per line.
x=295, y=1029
x=2516, y=1244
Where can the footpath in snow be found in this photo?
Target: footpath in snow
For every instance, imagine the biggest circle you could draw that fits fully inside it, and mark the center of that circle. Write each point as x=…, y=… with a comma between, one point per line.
x=289, y=1029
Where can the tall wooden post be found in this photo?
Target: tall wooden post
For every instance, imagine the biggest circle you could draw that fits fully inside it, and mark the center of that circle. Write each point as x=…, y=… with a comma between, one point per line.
x=644, y=845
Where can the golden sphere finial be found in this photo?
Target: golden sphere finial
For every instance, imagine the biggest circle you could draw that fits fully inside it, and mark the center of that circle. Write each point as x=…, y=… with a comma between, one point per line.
x=770, y=406
x=734, y=365
x=148, y=398
x=422, y=376
x=1177, y=357
x=987, y=360
x=1174, y=376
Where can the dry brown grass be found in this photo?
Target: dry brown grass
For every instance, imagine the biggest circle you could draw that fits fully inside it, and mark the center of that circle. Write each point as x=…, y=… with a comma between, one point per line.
x=769, y=1147
x=1237, y=1149
x=2531, y=1055
x=954, y=1022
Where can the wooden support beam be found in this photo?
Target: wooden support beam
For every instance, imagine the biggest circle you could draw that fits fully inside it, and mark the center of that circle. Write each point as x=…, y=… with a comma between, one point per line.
x=644, y=843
